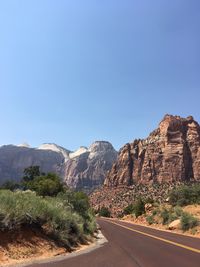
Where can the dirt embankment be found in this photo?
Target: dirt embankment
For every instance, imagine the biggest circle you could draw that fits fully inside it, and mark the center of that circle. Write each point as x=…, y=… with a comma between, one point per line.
x=26, y=244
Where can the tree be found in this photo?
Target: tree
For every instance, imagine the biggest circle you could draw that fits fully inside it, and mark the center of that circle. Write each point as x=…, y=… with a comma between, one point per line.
x=80, y=203
x=46, y=185
x=31, y=173
x=10, y=185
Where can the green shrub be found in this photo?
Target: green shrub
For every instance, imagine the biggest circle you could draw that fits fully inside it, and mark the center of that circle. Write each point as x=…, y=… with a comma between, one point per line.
x=45, y=185
x=56, y=217
x=188, y=221
x=185, y=195
x=139, y=207
x=165, y=216
x=149, y=200
x=155, y=212
x=150, y=219
x=178, y=211
x=129, y=209
x=10, y=185
x=169, y=215
x=104, y=212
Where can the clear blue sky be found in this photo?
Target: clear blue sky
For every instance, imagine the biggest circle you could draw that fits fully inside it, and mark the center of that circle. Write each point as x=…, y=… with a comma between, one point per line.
x=74, y=71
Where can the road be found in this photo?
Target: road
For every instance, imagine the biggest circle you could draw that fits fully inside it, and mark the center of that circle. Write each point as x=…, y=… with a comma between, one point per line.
x=136, y=246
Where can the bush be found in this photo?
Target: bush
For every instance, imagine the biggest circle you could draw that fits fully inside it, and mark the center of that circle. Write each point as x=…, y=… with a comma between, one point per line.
x=10, y=185
x=150, y=219
x=129, y=209
x=149, y=200
x=185, y=195
x=104, y=212
x=165, y=216
x=79, y=202
x=169, y=215
x=52, y=215
x=139, y=207
x=45, y=185
x=188, y=221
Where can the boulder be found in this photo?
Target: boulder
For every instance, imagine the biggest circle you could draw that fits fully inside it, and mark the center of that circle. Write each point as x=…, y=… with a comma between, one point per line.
x=176, y=224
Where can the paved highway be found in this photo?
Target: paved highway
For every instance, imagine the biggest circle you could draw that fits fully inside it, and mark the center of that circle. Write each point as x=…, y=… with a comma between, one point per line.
x=136, y=246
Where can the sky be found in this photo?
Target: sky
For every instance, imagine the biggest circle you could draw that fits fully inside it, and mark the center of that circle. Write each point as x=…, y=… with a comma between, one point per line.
x=74, y=71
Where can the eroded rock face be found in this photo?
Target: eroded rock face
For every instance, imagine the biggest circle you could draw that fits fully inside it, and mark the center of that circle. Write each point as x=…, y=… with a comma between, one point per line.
x=170, y=153
x=88, y=169
x=84, y=168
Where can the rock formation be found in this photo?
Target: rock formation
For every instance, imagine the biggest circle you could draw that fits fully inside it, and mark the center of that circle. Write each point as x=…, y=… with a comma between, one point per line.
x=88, y=169
x=84, y=168
x=14, y=159
x=171, y=153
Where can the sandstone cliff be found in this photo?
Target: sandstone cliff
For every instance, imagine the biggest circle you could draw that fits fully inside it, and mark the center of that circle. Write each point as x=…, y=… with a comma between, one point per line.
x=170, y=153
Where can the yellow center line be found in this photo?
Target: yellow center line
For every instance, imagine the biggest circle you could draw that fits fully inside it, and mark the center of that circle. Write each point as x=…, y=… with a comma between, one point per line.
x=156, y=237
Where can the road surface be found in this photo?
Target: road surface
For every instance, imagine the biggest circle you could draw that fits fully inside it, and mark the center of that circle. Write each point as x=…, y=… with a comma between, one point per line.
x=136, y=246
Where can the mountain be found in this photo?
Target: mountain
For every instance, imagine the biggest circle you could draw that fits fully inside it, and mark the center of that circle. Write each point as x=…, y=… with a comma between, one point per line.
x=83, y=168
x=87, y=167
x=14, y=159
x=171, y=153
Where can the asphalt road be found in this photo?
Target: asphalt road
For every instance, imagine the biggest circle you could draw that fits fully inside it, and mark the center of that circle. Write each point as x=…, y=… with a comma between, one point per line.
x=136, y=246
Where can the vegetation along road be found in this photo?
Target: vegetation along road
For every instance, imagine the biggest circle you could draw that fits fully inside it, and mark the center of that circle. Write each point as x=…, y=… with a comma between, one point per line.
x=136, y=246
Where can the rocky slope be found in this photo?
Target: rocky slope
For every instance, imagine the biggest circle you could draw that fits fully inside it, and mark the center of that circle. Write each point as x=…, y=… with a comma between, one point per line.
x=171, y=153
x=83, y=168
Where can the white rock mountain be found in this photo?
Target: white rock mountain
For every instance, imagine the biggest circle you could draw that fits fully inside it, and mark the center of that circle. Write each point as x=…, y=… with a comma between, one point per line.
x=84, y=168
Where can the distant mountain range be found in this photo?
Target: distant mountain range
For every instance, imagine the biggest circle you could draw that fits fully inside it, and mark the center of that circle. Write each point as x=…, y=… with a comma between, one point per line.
x=171, y=153
x=84, y=168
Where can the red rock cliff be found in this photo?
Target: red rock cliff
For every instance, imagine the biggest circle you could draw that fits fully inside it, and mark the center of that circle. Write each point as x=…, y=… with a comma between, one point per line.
x=170, y=153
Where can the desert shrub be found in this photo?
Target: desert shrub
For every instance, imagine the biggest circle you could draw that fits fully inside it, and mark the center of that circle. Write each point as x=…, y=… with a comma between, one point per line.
x=185, y=195
x=169, y=215
x=51, y=214
x=150, y=219
x=188, y=221
x=139, y=207
x=149, y=200
x=129, y=209
x=104, y=212
x=165, y=216
x=155, y=212
x=178, y=211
